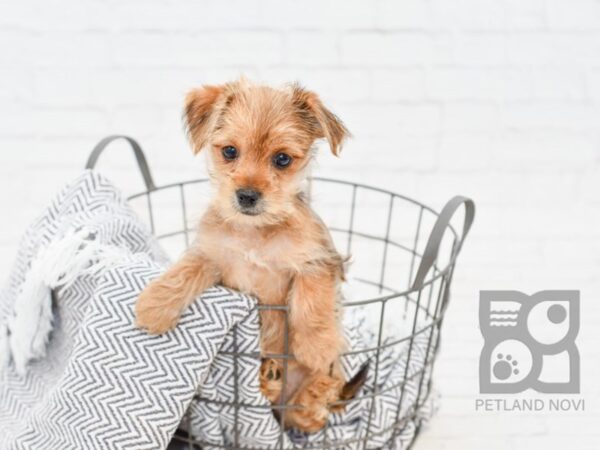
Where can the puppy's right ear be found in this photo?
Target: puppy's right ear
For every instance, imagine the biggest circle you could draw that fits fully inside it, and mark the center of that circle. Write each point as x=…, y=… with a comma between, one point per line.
x=200, y=117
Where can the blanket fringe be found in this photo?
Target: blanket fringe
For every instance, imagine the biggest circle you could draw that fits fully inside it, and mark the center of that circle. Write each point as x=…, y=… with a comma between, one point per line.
x=4, y=348
x=59, y=264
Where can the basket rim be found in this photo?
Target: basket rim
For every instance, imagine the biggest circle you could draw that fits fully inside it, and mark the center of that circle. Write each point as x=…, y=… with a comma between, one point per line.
x=437, y=273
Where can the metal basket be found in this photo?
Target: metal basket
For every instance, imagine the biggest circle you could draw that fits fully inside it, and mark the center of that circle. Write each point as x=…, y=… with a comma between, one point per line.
x=402, y=277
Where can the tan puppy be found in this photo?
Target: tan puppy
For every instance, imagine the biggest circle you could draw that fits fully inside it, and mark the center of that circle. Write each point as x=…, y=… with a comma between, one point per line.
x=259, y=236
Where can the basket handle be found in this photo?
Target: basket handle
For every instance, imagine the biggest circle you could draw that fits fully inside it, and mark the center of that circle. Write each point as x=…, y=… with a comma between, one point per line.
x=137, y=150
x=437, y=233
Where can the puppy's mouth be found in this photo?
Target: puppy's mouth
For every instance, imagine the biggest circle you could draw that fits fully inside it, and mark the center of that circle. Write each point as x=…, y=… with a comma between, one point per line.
x=249, y=211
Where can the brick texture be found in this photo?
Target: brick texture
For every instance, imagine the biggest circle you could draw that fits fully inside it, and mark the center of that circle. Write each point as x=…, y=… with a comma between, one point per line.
x=495, y=99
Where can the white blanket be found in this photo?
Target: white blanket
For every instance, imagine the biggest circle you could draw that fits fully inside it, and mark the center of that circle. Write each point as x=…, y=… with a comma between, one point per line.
x=77, y=374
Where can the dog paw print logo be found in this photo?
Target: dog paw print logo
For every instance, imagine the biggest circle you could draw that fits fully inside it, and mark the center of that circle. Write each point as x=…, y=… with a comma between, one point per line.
x=529, y=342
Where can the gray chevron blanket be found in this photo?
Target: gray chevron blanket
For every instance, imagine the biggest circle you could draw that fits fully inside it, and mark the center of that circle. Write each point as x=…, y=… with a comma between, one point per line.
x=76, y=374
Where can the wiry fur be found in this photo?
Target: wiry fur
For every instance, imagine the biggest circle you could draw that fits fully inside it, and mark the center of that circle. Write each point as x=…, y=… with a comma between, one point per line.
x=282, y=255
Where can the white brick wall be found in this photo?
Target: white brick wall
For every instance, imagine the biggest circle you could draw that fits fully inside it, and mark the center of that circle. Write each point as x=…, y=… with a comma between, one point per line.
x=495, y=99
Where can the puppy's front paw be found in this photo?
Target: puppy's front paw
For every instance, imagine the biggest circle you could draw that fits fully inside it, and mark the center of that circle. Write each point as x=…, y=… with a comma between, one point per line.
x=313, y=400
x=155, y=310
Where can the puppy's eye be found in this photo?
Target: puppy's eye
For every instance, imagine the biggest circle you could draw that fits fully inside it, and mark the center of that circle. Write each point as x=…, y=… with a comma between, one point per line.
x=229, y=153
x=282, y=160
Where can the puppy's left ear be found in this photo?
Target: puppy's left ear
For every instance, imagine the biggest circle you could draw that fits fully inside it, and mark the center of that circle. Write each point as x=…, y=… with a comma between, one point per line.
x=321, y=121
x=199, y=114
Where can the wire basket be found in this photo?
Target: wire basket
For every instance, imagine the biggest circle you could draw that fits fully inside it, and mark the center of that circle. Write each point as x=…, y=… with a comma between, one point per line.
x=403, y=259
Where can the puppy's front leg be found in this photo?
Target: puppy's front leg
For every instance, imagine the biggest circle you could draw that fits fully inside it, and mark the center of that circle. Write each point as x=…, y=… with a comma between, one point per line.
x=160, y=305
x=316, y=338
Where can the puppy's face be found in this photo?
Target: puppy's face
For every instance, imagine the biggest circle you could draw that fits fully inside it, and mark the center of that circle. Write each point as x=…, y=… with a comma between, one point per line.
x=260, y=142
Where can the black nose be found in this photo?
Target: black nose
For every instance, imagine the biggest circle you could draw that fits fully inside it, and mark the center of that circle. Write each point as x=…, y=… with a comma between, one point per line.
x=247, y=198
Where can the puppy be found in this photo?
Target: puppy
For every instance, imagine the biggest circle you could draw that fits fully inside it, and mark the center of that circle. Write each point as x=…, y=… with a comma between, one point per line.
x=260, y=236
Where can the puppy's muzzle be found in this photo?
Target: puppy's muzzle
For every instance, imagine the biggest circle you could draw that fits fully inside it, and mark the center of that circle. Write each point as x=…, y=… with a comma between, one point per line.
x=248, y=200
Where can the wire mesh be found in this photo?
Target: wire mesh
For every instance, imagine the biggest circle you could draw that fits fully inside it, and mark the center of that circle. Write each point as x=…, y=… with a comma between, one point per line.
x=383, y=232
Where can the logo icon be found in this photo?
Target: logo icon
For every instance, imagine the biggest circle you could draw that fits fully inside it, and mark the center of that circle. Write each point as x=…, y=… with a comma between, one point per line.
x=529, y=342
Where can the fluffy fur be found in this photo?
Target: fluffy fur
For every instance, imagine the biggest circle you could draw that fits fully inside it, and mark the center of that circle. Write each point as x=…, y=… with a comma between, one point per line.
x=281, y=252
